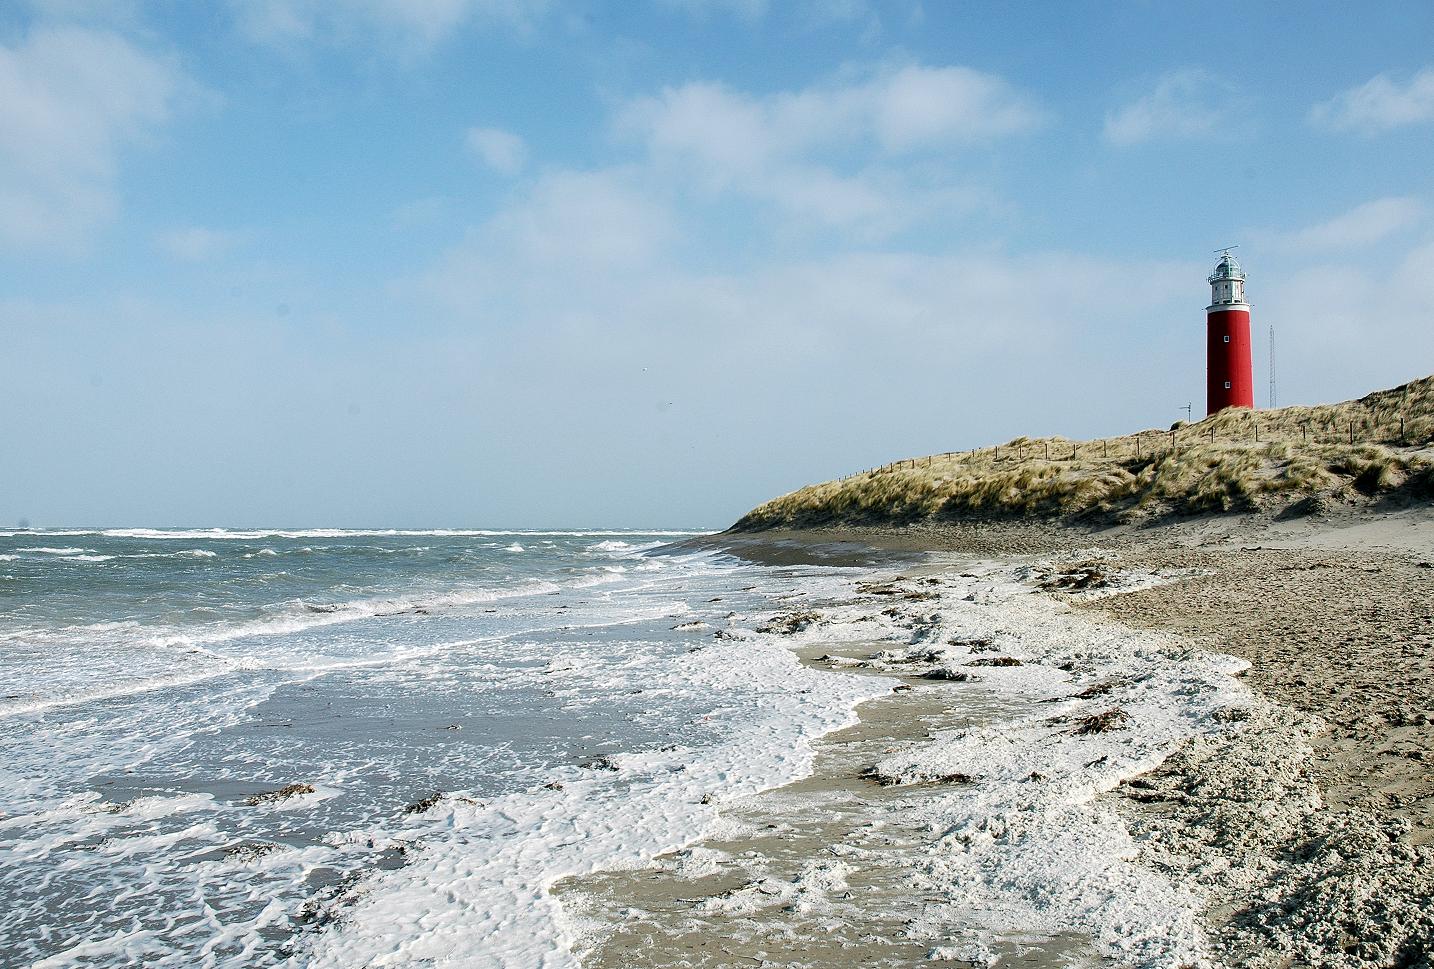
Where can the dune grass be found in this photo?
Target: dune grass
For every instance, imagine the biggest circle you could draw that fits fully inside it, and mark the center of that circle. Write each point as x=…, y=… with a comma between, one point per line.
x=1236, y=460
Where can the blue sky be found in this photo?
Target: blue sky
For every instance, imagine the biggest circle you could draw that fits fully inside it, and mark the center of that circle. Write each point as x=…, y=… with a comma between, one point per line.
x=516, y=262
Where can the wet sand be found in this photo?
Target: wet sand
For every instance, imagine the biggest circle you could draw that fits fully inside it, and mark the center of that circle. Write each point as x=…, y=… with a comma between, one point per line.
x=814, y=874
x=1307, y=830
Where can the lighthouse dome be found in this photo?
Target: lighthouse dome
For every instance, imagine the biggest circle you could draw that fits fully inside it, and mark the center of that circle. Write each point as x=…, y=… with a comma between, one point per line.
x=1227, y=268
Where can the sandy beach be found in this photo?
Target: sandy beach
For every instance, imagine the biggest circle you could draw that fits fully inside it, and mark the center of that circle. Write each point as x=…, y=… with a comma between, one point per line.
x=1204, y=743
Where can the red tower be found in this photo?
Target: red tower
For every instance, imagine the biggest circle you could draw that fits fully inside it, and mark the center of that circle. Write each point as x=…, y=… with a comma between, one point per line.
x=1229, y=380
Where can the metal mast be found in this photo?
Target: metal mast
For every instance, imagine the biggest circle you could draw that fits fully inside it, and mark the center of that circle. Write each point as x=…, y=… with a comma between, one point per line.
x=1273, y=404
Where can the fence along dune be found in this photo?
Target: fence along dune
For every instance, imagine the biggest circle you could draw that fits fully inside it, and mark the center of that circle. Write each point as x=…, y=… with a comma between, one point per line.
x=1290, y=459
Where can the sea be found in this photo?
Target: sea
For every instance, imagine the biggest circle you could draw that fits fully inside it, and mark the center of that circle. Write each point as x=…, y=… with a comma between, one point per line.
x=343, y=747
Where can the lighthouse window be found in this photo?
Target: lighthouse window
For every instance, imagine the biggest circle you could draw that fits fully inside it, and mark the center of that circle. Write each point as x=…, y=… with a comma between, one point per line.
x=1227, y=385
x=1227, y=338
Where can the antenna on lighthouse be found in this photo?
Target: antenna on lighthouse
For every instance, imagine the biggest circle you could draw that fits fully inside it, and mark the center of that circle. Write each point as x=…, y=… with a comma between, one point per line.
x=1227, y=248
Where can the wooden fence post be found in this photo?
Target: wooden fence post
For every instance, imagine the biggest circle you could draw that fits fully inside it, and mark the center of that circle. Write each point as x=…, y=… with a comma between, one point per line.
x=1351, y=432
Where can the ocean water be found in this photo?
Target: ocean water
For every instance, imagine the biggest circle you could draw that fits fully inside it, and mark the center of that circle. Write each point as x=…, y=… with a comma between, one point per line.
x=472, y=715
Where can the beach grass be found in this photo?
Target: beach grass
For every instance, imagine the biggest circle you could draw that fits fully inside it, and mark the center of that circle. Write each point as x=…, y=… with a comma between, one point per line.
x=1291, y=458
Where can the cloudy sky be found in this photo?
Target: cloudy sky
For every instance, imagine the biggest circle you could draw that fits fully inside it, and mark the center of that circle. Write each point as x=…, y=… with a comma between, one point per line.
x=640, y=263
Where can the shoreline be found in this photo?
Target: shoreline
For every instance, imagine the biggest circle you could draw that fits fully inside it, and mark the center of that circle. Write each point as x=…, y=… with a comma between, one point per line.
x=1303, y=829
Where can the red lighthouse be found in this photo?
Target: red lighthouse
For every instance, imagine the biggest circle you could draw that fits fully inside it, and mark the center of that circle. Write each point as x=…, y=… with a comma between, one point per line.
x=1229, y=381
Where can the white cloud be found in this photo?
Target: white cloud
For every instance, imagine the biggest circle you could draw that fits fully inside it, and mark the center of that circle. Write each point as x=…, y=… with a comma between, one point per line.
x=197, y=243
x=594, y=225
x=70, y=101
x=602, y=220
x=780, y=148
x=1188, y=103
x=932, y=107
x=1361, y=226
x=411, y=23
x=706, y=124
x=606, y=246
x=1379, y=104
x=904, y=110
x=500, y=150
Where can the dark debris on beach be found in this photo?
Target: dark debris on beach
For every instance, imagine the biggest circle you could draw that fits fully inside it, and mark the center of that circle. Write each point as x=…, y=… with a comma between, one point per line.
x=280, y=794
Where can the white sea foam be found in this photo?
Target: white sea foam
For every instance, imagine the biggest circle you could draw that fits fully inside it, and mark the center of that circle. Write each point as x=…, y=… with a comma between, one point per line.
x=481, y=895
x=1029, y=844
x=59, y=554
x=612, y=545
x=116, y=689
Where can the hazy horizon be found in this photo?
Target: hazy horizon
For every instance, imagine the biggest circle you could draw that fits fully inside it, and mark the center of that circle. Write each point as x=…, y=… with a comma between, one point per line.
x=533, y=264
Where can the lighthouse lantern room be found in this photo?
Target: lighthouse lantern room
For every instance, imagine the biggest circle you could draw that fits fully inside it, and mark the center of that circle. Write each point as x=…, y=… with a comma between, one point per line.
x=1229, y=379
